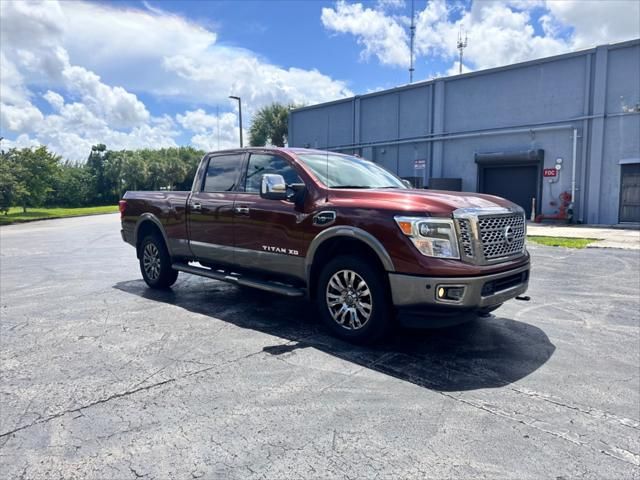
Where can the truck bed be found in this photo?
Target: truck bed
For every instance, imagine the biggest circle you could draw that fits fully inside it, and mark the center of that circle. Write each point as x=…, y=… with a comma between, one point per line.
x=168, y=206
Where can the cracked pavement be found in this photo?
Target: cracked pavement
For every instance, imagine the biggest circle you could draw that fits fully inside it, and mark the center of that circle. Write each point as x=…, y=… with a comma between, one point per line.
x=103, y=378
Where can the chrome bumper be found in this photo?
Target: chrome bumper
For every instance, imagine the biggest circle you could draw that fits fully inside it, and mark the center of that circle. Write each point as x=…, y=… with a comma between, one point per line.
x=479, y=292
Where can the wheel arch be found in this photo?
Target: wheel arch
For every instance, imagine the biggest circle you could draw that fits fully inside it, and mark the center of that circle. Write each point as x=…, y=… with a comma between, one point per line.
x=343, y=240
x=149, y=224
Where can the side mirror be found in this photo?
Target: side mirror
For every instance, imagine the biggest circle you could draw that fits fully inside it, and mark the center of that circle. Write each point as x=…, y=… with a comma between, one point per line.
x=273, y=187
x=407, y=183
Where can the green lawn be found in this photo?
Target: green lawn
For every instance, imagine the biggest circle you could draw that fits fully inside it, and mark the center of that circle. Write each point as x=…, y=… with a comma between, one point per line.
x=562, y=242
x=16, y=215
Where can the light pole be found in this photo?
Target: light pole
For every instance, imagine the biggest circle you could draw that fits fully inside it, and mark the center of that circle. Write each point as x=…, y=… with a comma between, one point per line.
x=239, y=115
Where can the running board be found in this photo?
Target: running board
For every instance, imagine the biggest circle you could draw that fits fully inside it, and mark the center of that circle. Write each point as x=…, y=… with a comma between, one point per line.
x=239, y=280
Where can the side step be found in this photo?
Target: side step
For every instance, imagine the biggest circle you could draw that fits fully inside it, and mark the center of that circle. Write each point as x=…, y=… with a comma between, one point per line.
x=239, y=280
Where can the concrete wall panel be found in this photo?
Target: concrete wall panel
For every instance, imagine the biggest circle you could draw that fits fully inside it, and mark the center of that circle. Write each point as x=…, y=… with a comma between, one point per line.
x=379, y=118
x=530, y=94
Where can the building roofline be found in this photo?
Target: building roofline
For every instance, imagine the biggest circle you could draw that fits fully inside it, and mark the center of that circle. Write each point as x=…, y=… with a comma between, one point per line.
x=488, y=71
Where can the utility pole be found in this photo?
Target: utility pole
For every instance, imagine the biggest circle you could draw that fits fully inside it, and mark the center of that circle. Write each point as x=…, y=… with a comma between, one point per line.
x=239, y=114
x=462, y=44
x=412, y=34
x=218, y=123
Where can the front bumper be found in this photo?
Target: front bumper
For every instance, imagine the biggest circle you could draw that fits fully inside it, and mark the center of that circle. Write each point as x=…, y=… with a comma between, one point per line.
x=479, y=292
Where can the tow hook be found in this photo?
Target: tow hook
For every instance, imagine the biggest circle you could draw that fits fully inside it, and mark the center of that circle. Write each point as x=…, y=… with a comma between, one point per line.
x=523, y=298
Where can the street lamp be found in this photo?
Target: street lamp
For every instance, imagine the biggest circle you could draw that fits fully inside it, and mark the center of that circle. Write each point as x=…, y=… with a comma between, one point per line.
x=239, y=115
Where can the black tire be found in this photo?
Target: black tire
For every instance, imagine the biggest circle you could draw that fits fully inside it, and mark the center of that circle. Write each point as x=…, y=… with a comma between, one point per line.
x=380, y=320
x=158, y=272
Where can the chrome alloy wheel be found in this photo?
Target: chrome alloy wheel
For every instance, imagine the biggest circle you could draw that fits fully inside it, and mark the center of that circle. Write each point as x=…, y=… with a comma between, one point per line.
x=349, y=299
x=151, y=261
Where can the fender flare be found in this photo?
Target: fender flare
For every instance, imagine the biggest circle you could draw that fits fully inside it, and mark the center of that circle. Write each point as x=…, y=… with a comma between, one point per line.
x=150, y=217
x=351, y=232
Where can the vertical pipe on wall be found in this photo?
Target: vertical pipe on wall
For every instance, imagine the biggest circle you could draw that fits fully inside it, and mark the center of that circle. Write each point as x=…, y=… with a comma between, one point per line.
x=574, y=156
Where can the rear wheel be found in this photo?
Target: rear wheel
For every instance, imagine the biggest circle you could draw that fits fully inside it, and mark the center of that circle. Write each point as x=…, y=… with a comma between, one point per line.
x=155, y=263
x=353, y=300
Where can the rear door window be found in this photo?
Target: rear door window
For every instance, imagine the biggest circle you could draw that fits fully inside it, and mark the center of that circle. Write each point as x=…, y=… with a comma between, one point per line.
x=222, y=174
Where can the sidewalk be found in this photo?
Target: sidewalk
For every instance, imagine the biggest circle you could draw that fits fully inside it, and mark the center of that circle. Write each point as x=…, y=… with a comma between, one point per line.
x=610, y=237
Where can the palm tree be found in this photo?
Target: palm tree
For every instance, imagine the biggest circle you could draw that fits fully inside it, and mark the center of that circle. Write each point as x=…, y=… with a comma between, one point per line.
x=270, y=125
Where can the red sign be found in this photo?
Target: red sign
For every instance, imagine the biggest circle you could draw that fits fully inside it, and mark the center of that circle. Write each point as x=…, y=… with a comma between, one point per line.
x=550, y=172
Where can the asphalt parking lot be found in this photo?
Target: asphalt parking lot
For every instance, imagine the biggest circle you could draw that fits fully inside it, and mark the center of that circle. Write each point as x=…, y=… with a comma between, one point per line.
x=103, y=378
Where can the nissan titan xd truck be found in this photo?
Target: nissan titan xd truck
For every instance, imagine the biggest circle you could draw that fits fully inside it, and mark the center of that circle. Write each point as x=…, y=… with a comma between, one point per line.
x=352, y=237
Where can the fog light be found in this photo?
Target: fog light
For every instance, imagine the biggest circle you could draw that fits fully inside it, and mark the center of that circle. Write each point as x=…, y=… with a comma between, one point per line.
x=453, y=293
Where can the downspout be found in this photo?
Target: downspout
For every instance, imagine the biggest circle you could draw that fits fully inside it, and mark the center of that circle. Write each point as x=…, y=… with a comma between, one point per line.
x=574, y=156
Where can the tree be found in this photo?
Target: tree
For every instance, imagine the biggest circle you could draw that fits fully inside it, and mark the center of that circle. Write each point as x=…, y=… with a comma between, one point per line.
x=95, y=166
x=72, y=188
x=10, y=188
x=34, y=170
x=270, y=125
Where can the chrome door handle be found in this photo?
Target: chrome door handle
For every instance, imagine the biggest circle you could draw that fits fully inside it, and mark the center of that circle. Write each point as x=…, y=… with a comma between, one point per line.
x=242, y=210
x=196, y=207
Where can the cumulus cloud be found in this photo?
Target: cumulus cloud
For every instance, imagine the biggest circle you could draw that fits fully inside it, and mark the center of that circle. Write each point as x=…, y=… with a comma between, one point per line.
x=93, y=61
x=500, y=31
x=211, y=132
x=381, y=35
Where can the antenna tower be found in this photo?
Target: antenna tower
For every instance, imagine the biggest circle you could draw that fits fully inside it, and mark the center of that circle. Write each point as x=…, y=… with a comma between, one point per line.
x=218, y=124
x=462, y=44
x=412, y=34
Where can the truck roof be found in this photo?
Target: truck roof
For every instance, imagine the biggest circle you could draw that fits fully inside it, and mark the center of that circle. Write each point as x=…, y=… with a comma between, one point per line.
x=294, y=150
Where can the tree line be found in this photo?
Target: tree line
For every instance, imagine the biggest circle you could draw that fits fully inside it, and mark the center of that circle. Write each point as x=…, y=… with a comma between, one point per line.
x=36, y=177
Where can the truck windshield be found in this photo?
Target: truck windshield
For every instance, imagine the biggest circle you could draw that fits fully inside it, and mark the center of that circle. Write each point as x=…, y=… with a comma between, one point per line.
x=346, y=171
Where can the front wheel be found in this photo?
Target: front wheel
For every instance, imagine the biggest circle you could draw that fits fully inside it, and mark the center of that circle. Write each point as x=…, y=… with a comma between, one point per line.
x=353, y=300
x=155, y=263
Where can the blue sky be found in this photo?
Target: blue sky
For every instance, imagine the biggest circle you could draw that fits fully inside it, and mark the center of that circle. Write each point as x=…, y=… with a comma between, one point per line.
x=152, y=73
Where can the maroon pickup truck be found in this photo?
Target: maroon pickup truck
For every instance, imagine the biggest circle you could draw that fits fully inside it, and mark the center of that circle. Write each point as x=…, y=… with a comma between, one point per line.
x=338, y=229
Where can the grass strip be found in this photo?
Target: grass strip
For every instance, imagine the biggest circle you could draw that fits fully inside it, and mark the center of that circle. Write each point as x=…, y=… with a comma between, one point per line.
x=567, y=242
x=16, y=215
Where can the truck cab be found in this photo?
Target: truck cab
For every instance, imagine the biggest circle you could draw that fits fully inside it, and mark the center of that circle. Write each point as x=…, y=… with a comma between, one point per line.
x=338, y=229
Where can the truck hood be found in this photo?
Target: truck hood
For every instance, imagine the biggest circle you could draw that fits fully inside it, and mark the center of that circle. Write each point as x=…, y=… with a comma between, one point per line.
x=433, y=202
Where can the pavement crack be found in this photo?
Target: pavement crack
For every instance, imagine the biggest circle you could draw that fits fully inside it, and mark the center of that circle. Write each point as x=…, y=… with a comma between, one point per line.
x=621, y=454
x=89, y=405
x=125, y=394
x=592, y=412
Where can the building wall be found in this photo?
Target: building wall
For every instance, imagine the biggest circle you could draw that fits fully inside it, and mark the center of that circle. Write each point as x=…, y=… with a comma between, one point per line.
x=528, y=106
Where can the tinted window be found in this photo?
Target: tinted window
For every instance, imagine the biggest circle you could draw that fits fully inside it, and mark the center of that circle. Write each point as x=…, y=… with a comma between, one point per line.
x=222, y=173
x=259, y=164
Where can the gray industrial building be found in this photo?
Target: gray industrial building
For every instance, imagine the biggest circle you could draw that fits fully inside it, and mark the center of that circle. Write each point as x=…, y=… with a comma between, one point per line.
x=506, y=131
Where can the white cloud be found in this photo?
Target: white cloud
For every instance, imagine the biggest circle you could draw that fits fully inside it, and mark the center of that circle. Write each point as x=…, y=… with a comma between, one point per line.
x=19, y=118
x=382, y=36
x=54, y=99
x=212, y=132
x=93, y=60
x=598, y=22
x=500, y=32
x=117, y=106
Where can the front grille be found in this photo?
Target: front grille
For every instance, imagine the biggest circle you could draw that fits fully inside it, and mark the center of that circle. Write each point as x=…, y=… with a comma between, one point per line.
x=493, y=235
x=465, y=237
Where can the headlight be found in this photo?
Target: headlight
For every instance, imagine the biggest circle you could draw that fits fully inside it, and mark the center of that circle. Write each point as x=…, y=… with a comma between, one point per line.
x=433, y=237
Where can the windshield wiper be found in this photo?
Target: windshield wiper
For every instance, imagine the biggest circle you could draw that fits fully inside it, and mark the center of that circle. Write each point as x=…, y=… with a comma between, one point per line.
x=349, y=186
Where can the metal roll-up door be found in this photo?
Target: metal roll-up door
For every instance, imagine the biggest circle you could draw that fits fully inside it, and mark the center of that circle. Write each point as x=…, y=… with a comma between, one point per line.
x=630, y=193
x=512, y=175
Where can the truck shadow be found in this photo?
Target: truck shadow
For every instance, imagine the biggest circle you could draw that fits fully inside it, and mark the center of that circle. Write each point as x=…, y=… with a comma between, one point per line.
x=485, y=353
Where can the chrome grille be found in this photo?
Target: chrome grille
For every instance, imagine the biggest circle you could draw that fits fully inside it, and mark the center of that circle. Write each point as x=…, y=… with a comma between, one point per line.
x=466, y=245
x=492, y=230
